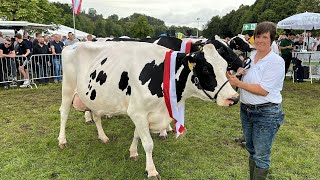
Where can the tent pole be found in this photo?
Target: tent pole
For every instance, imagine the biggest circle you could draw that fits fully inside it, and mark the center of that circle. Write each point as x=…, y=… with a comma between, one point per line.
x=74, y=24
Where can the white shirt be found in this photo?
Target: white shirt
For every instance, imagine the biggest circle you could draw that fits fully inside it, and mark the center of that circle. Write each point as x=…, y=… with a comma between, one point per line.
x=275, y=47
x=268, y=72
x=309, y=42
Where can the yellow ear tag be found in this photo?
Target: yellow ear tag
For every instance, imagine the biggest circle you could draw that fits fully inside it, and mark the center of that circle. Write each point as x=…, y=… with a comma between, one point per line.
x=190, y=66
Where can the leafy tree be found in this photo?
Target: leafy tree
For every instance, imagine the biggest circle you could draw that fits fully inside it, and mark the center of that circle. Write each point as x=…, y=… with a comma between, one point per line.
x=309, y=5
x=114, y=18
x=141, y=28
x=213, y=27
x=267, y=15
x=38, y=11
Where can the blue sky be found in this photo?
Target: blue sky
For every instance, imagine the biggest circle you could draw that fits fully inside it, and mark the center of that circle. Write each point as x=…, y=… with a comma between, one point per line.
x=174, y=12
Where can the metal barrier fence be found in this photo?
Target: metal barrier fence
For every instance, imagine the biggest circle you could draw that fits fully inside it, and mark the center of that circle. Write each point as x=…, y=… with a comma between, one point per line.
x=38, y=68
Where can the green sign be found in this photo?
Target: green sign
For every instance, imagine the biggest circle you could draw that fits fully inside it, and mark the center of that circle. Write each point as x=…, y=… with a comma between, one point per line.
x=249, y=27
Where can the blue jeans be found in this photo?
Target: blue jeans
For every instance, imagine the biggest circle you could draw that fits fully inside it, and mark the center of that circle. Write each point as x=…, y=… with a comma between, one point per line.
x=260, y=125
x=57, y=68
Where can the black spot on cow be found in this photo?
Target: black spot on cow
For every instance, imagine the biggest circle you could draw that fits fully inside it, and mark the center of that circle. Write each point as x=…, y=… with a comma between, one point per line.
x=103, y=61
x=128, y=91
x=124, y=81
x=90, y=87
x=93, y=75
x=93, y=95
x=154, y=73
x=102, y=77
x=87, y=93
x=170, y=42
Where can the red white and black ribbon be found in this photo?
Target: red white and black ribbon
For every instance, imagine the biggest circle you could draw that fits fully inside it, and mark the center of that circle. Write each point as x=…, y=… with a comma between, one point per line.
x=176, y=112
x=185, y=47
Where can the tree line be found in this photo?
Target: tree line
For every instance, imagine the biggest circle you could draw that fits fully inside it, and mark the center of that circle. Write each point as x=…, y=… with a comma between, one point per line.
x=140, y=26
x=262, y=10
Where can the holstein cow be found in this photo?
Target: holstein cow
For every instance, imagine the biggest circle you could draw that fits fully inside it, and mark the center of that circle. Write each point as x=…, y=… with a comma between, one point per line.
x=234, y=62
x=127, y=78
x=239, y=45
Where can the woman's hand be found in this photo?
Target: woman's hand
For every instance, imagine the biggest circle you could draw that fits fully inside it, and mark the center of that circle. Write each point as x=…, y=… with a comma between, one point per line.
x=234, y=81
x=241, y=71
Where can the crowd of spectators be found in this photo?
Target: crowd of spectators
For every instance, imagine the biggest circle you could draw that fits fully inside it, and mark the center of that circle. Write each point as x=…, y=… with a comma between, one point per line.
x=24, y=47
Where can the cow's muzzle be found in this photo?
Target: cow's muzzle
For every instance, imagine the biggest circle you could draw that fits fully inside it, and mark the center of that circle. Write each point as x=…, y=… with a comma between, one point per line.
x=233, y=100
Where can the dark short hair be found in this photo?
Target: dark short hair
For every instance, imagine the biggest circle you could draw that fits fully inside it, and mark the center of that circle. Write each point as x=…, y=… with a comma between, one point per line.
x=292, y=34
x=19, y=36
x=266, y=27
x=70, y=33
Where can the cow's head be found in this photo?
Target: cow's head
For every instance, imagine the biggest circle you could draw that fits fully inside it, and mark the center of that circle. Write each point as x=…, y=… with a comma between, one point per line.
x=239, y=44
x=233, y=60
x=208, y=77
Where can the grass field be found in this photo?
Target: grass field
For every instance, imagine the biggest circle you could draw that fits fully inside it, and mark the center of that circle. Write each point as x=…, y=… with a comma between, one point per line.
x=29, y=127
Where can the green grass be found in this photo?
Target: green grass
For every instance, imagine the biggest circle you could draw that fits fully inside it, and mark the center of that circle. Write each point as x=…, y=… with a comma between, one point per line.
x=29, y=127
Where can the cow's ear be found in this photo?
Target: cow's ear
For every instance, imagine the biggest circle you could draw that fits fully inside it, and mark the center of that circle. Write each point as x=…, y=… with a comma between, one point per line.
x=186, y=59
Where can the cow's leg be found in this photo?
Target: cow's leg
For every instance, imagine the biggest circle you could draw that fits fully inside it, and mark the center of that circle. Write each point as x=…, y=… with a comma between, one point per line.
x=134, y=146
x=142, y=128
x=64, y=111
x=88, y=117
x=101, y=135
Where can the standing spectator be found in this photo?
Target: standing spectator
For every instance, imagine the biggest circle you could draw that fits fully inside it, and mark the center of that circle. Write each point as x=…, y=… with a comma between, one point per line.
x=1, y=38
x=56, y=49
x=227, y=40
x=24, y=51
x=71, y=40
x=35, y=41
x=89, y=37
x=309, y=41
x=286, y=47
x=298, y=45
x=261, y=101
x=41, y=61
x=6, y=53
x=317, y=44
x=64, y=38
x=26, y=38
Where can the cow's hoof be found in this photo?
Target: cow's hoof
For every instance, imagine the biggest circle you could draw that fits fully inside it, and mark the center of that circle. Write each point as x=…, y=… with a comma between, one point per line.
x=163, y=137
x=105, y=140
x=62, y=146
x=170, y=132
x=89, y=122
x=134, y=158
x=157, y=177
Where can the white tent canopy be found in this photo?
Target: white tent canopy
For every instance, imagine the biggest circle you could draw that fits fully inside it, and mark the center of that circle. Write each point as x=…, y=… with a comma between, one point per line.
x=23, y=24
x=302, y=21
x=64, y=30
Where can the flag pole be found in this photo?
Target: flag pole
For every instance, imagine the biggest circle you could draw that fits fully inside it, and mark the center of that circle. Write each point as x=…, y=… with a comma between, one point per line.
x=74, y=23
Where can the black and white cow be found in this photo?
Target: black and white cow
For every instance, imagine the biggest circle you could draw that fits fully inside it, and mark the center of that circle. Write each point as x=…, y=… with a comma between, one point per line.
x=239, y=45
x=126, y=78
x=233, y=60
